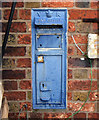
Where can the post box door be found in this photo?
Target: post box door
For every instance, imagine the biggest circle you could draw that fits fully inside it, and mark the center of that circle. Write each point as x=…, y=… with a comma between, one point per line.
x=49, y=59
x=48, y=74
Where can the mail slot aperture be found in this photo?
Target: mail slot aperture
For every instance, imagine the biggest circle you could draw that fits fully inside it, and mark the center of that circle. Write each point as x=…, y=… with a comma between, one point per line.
x=49, y=52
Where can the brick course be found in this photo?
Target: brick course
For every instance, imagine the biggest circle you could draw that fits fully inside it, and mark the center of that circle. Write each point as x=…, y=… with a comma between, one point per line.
x=75, y=14
x=13, y=74
x=81, y=116
x=8, y=63
x=15, y=27
x=25, y=14
x=10, y=85
x=9, y=4
x=56, y=115
x=24, y=62
x=25, y=85
x=15, y=95
x=65, y=3
x=82, y=39
x=24, y=39
x=81, y=85
x=7, y=14
x=89, y=107
x=15, y=51
x=11, y=39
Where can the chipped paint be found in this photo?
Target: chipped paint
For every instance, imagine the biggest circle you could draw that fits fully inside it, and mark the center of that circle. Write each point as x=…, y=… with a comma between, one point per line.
x=93, y=46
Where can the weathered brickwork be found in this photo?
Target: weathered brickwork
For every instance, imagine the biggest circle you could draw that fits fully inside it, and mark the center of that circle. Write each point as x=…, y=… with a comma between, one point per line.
x=17, y=71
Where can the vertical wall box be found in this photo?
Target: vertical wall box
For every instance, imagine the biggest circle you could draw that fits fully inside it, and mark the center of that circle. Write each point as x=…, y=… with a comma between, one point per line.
x=49, y=50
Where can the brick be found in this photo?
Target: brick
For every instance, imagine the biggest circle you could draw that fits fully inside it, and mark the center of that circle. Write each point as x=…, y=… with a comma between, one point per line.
x=55, y=3
x=20, y=4
x=36, y=116
x=88, y=107
x=71, y=27
x=69, y=96
x=80, y=74
x=94, y=4
x=32, y=4
x=83, y=48
x=0, y=4
x=70, y=74
x=29, y=95
x=82, y=4
x=15, y=27
x=10, y=85
x=75, y=14
x=95, y=27
x=0, y=14
x=24, y=62
x=0, y=27
x=24, y=39
x=8, y=63
x=23, y=116
x=13, y=106
x=94, y=116
x=71, y=50
x=9, y=4
x=6, y=4
x=28, y=74
x=1, y=73
x=98, y=50
x=13, y=116
x=80, y=96
x=82, y=39
x=25, y=14
x=94, y=73
x=98, y=63
x=81, y=116
x=94, y=96
x=11, y=39
x=77, y=62
x=97, y=106
x=29, y=106
x=13, y=74
x=29, y=53
x=82, y=27
x=90, y=14
x=25, y=84
x=6, y=14
x=15, y=95
x=82, y=85
x=29, y=26
x=15, y=51
x=56, y=116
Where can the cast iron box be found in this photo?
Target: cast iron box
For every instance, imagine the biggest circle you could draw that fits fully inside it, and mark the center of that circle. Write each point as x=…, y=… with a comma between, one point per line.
x=49, y=53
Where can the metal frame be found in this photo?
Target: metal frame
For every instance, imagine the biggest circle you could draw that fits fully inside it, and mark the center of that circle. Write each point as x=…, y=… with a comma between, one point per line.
x=64, y=61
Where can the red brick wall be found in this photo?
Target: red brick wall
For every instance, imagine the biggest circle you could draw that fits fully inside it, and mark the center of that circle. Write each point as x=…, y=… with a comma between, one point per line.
x=16, y=73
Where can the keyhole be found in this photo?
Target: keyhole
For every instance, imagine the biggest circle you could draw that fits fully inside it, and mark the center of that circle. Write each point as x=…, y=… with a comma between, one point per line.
x=43, y=85
x=41, y=45
x=57, y=36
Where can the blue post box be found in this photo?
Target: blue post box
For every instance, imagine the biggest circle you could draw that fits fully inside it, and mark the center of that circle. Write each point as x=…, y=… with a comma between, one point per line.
x=49, y=54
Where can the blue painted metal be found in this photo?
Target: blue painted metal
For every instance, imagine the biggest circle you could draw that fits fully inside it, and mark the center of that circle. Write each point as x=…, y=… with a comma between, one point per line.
x=46, y=21
x=53, y=41
x=49, y=27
